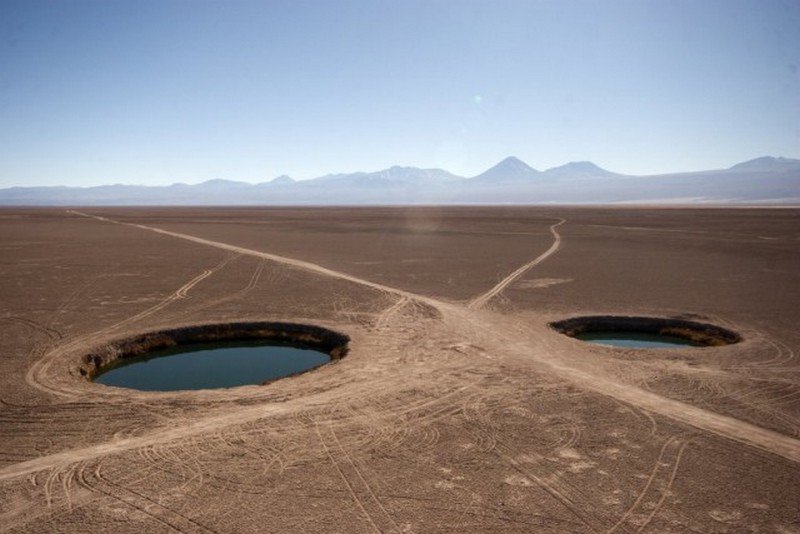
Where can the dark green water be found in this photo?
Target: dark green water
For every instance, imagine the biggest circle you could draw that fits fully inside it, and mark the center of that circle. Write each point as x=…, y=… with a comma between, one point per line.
x=211, y=365
x=635, y=340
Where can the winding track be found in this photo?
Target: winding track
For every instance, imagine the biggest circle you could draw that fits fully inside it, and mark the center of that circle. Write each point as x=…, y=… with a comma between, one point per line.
x=481, y=300
x=468, y=320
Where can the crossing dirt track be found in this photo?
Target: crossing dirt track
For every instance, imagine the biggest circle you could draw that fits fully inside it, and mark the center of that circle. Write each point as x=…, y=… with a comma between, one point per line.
x=457, y=408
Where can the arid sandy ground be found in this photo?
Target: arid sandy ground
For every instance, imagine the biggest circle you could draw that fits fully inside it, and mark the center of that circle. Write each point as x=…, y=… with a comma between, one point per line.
x=457, y=409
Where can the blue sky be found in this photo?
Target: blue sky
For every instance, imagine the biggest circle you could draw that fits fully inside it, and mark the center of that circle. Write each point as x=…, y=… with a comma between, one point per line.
x=185, y=91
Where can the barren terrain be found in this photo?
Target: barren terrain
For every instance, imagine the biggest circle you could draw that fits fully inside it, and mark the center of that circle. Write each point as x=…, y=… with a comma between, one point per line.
x=457, y=408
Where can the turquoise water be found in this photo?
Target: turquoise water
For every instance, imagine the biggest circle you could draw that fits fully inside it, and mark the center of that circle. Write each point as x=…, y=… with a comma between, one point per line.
x=635, y=340
x=211, y=365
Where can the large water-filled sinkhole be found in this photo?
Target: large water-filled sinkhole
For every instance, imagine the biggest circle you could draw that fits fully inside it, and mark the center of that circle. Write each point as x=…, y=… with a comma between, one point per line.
x=213, y=356
x=645, y=332
x=211, y=365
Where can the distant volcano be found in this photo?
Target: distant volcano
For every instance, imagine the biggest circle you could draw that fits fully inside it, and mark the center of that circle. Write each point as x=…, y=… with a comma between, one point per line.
x=510, y=169
x=579, y=169
x=768, y=163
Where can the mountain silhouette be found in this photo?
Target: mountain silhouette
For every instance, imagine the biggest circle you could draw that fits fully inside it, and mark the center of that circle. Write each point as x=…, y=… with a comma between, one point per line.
x=511, y=181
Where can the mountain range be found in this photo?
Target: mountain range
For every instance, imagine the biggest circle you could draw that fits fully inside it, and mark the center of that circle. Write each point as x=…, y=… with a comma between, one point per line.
x=765, y=180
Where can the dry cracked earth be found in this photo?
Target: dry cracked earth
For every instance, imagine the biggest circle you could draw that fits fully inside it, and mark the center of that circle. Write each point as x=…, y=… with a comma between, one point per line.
x=457, y=407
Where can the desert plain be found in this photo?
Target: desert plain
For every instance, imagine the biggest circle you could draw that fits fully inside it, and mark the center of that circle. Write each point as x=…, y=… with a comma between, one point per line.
x=457, y=407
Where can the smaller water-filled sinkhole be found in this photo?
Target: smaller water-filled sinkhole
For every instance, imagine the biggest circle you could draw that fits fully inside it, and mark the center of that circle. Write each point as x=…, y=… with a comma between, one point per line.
x=636, y=340
x=645, y=332
x=213, y=356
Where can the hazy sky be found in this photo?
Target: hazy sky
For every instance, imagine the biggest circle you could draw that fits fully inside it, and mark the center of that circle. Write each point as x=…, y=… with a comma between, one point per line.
x=168, y=91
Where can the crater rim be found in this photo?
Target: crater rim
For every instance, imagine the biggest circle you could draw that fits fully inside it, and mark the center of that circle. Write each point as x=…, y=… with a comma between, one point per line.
x=701, y=334
x=92, y=363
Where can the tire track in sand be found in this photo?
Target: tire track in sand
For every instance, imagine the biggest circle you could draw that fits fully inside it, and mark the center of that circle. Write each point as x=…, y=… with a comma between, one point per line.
x=369, y=517
x=210, y=424
x=481, y=300
x=179, y=294
x=383, y=319
x=41, y=366
x=379, y=510
x=673, y=446
x=300, y=264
